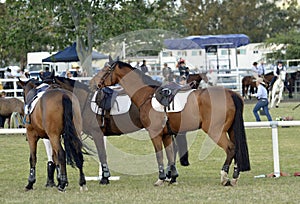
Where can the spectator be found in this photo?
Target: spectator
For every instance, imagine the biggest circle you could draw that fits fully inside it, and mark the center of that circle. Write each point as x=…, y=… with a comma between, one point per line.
x=46, y=73
x=261, y=69
x=262, y=96
x=69, y=74
x=183, y=70
x=77, y=73
x=3, y=94
x=144, y=67
x=167, y=73
x=255, y=70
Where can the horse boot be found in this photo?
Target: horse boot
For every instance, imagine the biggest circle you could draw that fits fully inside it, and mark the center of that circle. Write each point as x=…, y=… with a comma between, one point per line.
x=50, y=170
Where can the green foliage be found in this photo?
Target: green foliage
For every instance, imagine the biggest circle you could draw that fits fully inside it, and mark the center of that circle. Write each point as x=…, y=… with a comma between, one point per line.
x=36, y=25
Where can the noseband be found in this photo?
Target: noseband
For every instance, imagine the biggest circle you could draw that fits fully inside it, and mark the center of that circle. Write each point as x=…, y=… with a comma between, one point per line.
x=107, y=74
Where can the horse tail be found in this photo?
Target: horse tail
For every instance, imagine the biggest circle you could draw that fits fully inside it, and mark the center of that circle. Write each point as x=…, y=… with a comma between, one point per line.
x=72, y=142
x=241, y=147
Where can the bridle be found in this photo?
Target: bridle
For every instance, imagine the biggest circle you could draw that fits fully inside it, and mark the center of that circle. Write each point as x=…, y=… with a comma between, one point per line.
x=107, y=73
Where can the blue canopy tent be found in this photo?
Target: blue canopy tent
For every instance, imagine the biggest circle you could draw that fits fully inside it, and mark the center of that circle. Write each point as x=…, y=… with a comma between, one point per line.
x=69, y=54
x=210, y=43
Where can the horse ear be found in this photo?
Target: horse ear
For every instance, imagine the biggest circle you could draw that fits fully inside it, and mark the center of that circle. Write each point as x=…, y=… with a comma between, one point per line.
x=110, y=60
x=20, y=82
x=52, y=74
x=117, y=59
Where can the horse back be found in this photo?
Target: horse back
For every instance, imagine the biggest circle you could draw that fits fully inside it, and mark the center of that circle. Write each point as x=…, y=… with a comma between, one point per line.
x=47, y=116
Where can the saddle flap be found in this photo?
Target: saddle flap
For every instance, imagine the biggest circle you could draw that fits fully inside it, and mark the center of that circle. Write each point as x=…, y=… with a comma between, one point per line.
x=105, y=98
x=165, y=94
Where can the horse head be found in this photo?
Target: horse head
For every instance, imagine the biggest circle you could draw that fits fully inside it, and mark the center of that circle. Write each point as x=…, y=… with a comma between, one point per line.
x=107, y=76
x=282, y=75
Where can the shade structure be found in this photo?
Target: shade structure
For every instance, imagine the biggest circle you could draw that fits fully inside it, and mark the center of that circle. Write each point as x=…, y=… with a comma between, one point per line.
x=69, y=54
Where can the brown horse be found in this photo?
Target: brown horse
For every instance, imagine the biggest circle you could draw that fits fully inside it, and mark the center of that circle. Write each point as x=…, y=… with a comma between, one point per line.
x=216, y=110
x=197, y=78
x=55, y=115
x=249, y=84
x=99, y=126
x=9, y=106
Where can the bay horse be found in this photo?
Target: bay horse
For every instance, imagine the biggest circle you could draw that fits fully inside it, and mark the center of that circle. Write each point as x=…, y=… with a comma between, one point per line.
x=215, y=110
x=248, y=86
x=56, y=115
x=7, y=107
x=98, y=126
x=277, y=90
x=197, y=78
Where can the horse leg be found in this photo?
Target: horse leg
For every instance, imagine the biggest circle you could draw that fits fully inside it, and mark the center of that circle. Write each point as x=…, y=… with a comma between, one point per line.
x=228, y=147
x=157, y=144
x=279, y=97
x=50, y=164
x=99, y=142
x=32, y=141
x=167, y=141
x=59, y=157
x=182, y=148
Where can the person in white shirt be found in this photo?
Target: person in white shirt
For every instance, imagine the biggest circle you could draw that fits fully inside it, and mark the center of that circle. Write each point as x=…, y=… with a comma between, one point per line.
x=262, y=96
x=255, y=70
x=276, y=71
x=261, y=69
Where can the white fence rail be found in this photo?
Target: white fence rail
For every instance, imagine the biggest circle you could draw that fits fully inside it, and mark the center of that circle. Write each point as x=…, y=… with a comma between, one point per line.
x=269, y=124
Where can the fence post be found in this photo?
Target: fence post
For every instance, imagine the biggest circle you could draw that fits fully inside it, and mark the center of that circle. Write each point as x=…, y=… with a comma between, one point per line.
x=274, y=125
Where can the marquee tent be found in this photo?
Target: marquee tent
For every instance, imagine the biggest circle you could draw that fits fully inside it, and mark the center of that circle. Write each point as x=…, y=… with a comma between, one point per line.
x=69, y=54
x=202, y=41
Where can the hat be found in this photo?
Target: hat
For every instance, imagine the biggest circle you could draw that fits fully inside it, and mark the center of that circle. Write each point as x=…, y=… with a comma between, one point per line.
x=279, y=62
x=75, y=65
x=261, y=81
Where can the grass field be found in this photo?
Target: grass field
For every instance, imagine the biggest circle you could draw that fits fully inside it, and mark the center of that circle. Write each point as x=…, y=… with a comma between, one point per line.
x=197, y=183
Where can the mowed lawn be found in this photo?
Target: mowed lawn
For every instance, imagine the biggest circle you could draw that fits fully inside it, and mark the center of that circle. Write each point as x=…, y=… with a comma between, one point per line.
x=132, y=158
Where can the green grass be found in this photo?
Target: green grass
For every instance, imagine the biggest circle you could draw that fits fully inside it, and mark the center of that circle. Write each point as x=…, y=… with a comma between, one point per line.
x=133, y=154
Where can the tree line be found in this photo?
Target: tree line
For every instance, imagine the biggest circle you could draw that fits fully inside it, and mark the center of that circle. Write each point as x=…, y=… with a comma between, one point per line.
x=37, y=25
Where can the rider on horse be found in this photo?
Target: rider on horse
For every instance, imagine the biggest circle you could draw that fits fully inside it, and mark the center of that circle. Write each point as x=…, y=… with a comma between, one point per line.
x=276, y=72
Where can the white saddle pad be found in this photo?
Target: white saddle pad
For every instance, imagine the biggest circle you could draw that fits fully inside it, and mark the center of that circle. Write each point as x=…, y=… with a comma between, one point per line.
x=177, y=104
x=120, y=106
x=27, y=109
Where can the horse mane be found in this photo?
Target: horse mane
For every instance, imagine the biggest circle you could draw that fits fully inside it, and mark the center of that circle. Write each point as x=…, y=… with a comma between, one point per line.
x=72, y=83
x=146, y=78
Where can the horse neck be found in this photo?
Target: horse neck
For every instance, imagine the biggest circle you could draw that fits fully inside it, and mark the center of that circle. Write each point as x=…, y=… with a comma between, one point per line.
x=137, y=90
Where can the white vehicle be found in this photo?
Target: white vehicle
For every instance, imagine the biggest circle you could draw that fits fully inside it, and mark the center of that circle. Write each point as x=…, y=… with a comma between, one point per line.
x=35, y=64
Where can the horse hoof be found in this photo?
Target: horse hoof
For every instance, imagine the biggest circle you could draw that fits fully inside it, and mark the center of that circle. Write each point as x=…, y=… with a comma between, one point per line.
x=60, y=189
x=184, y=163
x=228, y=183
x=159, y=182
x=83, y=188
x=28, y=189
x=233, y=182
x=50, y=184
x=104, y=181
x=277, y=106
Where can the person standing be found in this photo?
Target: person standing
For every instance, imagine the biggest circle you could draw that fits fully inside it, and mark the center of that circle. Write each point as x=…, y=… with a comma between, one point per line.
x=167, y=73
x=255, y=70
x=261, y=69
x=262, y=96
x=183, y=70
x=144, y=67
